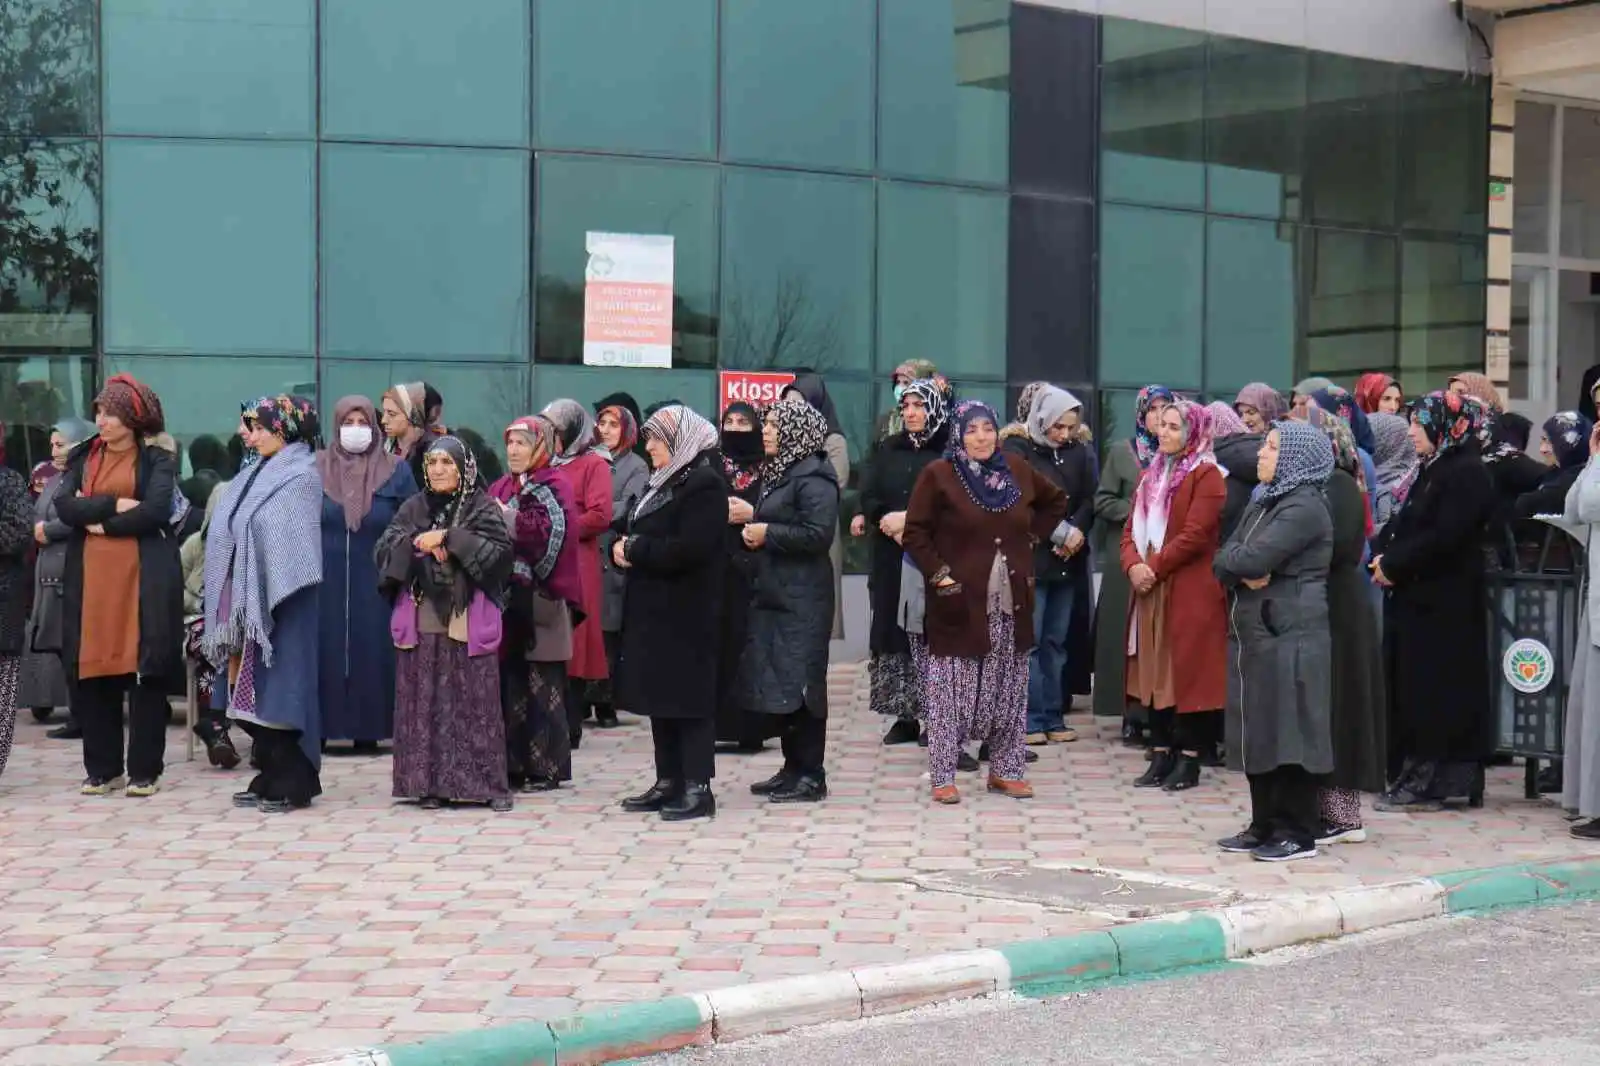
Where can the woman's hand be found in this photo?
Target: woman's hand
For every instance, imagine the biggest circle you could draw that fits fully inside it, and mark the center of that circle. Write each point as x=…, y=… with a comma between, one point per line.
x=38, y=532
x=858, y=526
x=124, y=505
x=96, y=530
x=739, y=512
x=1072, y=544
x=755, y=534
x=893, y=525
x=1143, y=578
x=944, y=582
x=1594, y=441
x=1257, y=583
x=429, y=543
x=1376, y=566
x=619, y=553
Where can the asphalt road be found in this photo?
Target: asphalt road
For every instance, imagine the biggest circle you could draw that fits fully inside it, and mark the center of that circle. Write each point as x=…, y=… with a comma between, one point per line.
x=1517, y=988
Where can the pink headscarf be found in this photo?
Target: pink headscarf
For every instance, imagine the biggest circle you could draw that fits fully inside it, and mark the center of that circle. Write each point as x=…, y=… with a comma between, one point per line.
x=1225, y=421
x=1153, y=498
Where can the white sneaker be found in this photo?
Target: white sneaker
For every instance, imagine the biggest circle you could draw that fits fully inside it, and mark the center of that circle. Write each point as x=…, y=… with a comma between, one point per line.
x=1342, y=834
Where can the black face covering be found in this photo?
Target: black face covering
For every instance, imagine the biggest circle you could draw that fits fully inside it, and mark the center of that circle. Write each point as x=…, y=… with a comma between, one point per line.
x=743, y=445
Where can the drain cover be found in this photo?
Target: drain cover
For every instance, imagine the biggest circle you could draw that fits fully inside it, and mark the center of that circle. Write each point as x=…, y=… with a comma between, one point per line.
x=1080, y=888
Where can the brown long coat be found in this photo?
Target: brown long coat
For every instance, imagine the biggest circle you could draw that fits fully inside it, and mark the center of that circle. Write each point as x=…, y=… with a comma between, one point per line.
x=946, y=529
x=1197, y=615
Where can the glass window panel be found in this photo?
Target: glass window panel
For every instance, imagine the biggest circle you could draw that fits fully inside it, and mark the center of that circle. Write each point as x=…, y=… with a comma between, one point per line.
x=797, y=82
x=49, y=47
x=35, y=393
x=1528, y=324
x=660, y=54
x=1578, y=343
x=1255, y=112
x=1530, y=191
x=1352, y=149
x=1250, y=303
x=50, y=248
x=944, y=89
x=209, y=247
x=577, y=195
x=1115, y=427
x=210, y=67
x=1580, y=183
x=587, y=384
x=1152, y=118
x=424, y=253
x=1444, y=139
x=796, y=271
x=1055, y=77
x=942, y=279
x=1051, y=290
x=1152, y=293
x=1350, y=282
x=420, y=70
x=1441, y=310
x=480, y=400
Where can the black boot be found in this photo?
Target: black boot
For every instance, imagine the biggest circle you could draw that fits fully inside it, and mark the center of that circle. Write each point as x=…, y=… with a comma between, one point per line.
x=219, y=745
x=605, y=716
x=1155, y=775
x=1133, y=735
x=782, y=780
x=806, y=788
x=71, y=731
x=42, y=714
x=904, y=731
x=1184, y=776
x=1550, y=779
x=652, y=799
x=695, y=801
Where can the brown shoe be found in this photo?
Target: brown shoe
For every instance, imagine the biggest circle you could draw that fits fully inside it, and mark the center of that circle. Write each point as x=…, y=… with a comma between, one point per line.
x=1020, y=790
x=1036, y=740
x=946, y=794
x=1062, y=736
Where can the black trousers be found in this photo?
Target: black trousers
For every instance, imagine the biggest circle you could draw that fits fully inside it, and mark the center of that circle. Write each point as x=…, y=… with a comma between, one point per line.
x=805, y=742
x=1286, y=803
x=286, y=772
x=686, y=748
x=1192, y=731
x=97, y=706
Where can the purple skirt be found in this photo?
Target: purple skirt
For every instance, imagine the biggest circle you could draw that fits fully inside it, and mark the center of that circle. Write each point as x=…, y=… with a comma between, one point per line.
x=449, y=733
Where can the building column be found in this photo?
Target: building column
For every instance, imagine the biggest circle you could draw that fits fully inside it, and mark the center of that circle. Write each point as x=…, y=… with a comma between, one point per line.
x=1502, y=165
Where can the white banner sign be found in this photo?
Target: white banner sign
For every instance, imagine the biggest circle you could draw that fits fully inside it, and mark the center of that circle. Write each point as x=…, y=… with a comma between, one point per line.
x=627, y=300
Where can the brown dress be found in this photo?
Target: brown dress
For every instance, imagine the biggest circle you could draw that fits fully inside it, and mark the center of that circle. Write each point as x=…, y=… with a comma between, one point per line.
x=109, y=644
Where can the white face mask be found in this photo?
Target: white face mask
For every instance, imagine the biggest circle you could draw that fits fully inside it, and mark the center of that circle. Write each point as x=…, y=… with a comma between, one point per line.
x=355, y=439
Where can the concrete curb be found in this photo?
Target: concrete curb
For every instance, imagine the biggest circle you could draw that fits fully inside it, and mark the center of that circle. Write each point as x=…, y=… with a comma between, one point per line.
x=1037, y=968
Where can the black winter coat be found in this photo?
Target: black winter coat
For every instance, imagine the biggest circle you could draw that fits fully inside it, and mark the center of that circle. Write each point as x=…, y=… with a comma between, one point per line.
x=1072, y=470
x=886, y=488
x=16, y=534
x=1237, y=455
x=667, y=661
x=1359, y=721
x=784, y=667
x=160, y=573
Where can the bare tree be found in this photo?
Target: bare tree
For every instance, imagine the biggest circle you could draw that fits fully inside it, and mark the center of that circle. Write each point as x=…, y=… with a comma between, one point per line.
x=786, y=329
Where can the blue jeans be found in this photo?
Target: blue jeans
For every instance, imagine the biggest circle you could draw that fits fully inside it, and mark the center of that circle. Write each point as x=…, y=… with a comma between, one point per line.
x=1047, y=662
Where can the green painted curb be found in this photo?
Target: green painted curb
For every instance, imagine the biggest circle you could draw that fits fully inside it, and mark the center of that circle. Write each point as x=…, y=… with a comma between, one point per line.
x=635, y=1030
x=1060, y=964
x=1476, y=890
x=1158, y=945
x=527, y=1044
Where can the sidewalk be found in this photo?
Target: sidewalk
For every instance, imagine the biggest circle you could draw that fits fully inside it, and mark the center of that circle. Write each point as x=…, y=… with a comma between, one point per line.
x=182, y=930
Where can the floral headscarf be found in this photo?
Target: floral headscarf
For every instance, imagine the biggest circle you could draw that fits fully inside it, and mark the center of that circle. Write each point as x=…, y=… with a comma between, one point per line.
x=1449, y=420
x=802, y=430
x=294, y=418
x=443, y=509
x=989, y=481
x=1265, y=399
x=1167, y=472
x=1568, y=434
x=574, y=429
x=931, y=393
x=1370, y=389
x=1304, y=457
x=1492, y=439
x=687, y=435
x=1050, y=405
x=1025, y=398
x=630, y=429
x=1145, y=445
x=1395, y=457
x=1225, y=421
x=1336, y=401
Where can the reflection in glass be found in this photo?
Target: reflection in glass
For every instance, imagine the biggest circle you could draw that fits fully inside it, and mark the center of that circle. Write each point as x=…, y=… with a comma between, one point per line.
x=1441, y=309
x=942, y=278
x=1250, y=304
x=1350, y=282
x=1152, y=291
x=420, y=70
x=588, y=384
x=209, y=246
x=210, y=67
x=1255, y=104
x=944, y=89
x=1352, y=152
x=1580, y=184
x=1444, y=145
x=797, y=82
x=578, y=195
x=1152, y=121
x=35, y=394
x=663, y=53
x=1530, y=194
x=49, y=68
x=796, y=271
x=49, y=243
x=1115, y=428
x=424, y=253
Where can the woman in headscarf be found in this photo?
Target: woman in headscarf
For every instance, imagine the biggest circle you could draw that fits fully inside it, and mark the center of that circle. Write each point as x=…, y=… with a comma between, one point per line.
x=904, y=374
x=363, y=486
x=42, y=684
x=16, y=537
x=1512, y=471
x=123, y=588
x=545, y=590
x=1394, y=461
x=743, y=456
x=809, y=387
x=1379, y=394
x=886, y=486
x=262, y=604
x=1336, y=401
x=1061, y=561
x=1259, y=405
x=588, y=476
x=1358, y=717
x=784, y=668
x=1113, y=503
x=625, y=401
x=1303, y=393
x=617, y=431
x=1275, y=567
x=1176, y=638
x=1479, y=387
x=446, y=561
x=413, y=418
x=673, y=547
x=1236, y=449
x=971, y=527
x=1430, y=559
x=1565, y=450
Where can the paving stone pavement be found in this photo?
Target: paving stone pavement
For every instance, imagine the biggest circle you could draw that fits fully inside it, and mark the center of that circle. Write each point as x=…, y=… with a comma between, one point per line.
x=181, y=930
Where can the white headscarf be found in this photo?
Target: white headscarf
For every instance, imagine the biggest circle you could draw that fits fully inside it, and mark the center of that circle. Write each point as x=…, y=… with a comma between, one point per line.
x=1049, y=405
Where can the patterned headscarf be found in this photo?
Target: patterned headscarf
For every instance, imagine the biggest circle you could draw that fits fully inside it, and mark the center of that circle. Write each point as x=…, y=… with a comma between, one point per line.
x=802, y=430
x=1050, y=405
x=352, y=479
x=1167, y=472
x=413, y=398
x=1145, y=445
x=988, y=482
x=630, y=428
x=1480, y=388
x=1568, y=434
x=1225, y=421
x=686, y=435
x=1337, y=401
x=443, y=508
x=931, y=393
x=1395, y=457
x=1346, y=456
x=1370, y=389
x=1265, y=399
x=40, y=476
x=574, y=429
x=540, y=436
x=1304, y=458
x=294, y=418
x=1449, y=420
x=134, y=404
x=1492, y=437
x=1025, y=398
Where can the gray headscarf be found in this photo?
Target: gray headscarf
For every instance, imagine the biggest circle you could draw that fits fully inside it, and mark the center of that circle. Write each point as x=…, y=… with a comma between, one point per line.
x=574, y=429
x=1049, y=405
x=74, y=430
x=1305, y=457
x=1311, y=385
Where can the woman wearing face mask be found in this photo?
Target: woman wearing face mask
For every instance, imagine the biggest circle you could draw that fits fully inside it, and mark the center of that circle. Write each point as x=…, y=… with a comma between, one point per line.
x=1177, y=636
x=363, y=486
x=1259, y=405
x=446, y=562
x=617, y=432
x=261, y=603
x=742, y=459
x=43, y=684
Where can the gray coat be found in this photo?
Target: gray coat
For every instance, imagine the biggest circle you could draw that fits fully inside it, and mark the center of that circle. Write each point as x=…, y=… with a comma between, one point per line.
x=629, y=475
x=44, y=625
x=1280, y=650
x=784, y=667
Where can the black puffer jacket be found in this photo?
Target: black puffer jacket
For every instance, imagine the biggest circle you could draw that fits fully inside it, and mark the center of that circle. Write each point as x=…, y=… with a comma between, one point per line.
x=1072, y=470
x=16, y=533
x=1237, y=455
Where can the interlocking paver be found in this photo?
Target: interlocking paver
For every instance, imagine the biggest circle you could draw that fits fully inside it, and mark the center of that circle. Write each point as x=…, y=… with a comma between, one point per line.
x=179, y=929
